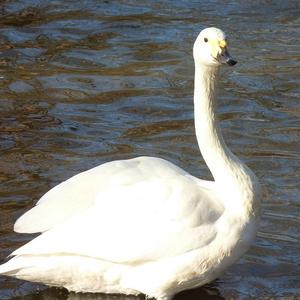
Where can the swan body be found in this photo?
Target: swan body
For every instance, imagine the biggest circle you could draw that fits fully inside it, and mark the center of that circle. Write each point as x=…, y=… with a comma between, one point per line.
x=144, y=225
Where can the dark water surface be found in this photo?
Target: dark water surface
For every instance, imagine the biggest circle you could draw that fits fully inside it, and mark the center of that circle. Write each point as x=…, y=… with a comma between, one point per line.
x=85, y=82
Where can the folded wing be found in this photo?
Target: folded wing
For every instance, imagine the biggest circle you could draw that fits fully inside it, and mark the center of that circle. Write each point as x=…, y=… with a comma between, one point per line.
x=133, y=211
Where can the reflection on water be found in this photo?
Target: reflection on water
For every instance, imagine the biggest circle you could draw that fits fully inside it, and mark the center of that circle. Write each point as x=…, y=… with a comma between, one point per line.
x=86, y=82
x=207, y=292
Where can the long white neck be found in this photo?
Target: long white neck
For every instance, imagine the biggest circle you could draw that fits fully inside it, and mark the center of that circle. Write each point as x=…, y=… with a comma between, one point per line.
x=212, y=146
x=232, y=177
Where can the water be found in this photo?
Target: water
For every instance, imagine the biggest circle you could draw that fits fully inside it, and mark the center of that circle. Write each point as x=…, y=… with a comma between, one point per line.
x=85, y=82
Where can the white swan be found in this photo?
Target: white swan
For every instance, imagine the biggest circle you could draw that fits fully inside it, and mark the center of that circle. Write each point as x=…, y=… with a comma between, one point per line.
x=144, y=225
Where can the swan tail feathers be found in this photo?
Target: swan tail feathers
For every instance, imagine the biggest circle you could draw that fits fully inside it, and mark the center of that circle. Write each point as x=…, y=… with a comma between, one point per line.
x=9, y=268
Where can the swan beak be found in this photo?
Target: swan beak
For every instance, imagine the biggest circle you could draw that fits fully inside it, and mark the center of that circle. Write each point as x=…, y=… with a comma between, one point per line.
x=223, y=44
x=228, y=59
x=225, y=54
x=220, y=52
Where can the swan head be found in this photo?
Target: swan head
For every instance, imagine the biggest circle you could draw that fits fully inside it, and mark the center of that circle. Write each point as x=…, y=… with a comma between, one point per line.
x=211, y=48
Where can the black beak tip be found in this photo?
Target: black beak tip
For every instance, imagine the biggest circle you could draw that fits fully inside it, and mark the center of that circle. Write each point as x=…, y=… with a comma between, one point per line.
x=231, y=62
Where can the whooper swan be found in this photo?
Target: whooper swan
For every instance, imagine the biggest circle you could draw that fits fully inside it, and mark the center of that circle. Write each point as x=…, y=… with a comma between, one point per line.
x=144, y=225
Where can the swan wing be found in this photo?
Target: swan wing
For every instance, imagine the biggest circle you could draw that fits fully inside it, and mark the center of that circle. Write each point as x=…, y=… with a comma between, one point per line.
x=140, y=217
x=77, y=194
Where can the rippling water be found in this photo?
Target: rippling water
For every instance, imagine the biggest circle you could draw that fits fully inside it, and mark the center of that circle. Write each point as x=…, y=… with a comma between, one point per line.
x=85, y=82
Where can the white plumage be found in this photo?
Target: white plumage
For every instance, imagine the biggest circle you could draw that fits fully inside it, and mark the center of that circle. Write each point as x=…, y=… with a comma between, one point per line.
x=145, y=225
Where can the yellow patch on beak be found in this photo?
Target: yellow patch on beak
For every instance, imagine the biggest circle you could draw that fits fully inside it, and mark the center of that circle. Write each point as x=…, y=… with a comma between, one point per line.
x=223, y=44
x=217, y=47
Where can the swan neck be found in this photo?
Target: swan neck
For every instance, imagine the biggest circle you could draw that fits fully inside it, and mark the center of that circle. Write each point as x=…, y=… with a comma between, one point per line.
x=216, y=154
x=236, y=184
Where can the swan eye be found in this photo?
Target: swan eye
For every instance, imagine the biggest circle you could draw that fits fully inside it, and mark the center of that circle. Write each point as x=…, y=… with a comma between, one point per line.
x=205, y=40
